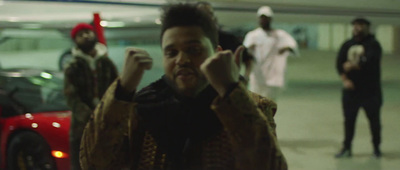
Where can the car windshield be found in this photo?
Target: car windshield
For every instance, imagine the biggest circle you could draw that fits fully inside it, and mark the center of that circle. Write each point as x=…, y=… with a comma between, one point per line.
x=41, y=92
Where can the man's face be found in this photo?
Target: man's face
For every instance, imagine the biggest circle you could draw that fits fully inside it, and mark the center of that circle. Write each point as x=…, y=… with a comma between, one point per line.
x=360, y=29
x=185, y=48
x=85, y=40
x=264, y=21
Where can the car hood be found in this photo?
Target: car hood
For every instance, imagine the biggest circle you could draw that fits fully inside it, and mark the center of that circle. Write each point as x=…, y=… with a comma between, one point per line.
x=56, y=115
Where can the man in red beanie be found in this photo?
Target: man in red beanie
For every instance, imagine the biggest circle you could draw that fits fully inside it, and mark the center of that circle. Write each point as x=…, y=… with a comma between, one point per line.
x=87, y=77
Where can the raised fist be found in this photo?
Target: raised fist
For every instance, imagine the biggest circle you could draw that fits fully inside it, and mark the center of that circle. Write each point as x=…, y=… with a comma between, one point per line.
x=136, y=62
x=222, y=69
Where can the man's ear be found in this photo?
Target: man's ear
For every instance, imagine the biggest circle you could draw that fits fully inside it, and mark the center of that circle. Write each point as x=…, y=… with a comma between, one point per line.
x=219, y=48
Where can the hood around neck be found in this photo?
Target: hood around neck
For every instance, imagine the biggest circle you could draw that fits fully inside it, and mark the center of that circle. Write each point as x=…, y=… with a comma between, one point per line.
x=101, y=51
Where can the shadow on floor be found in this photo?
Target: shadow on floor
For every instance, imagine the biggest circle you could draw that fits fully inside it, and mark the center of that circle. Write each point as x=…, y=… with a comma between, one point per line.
x=392, y=155
x=356, y=164
x=298, y=144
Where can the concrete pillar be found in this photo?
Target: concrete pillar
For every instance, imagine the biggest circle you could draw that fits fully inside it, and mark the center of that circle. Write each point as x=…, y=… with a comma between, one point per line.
x=396, y=40
x=338, y=35
x=385, y=35
x=324, y=37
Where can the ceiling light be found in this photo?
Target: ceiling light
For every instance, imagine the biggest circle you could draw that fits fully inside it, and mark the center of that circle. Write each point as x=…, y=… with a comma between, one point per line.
x=103, y=23
x=112, y=24
x=13, y=19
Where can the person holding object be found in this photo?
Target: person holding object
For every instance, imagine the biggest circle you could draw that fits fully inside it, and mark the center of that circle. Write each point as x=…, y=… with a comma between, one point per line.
x=358, y=65
x=197, y=116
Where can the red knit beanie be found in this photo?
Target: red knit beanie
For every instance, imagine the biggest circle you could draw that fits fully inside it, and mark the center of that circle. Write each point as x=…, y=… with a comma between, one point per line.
x=79, y=27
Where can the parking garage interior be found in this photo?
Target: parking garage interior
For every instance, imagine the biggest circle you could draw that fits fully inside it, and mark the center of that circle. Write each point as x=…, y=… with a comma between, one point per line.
x=34, y=34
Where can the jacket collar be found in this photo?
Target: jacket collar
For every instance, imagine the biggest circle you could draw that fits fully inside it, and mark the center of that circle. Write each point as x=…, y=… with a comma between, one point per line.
x=101, y=51
x=174, y=121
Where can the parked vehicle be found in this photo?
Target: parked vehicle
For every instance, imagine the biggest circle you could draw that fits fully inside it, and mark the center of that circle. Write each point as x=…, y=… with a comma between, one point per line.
x=34, y=120
x=65, y=58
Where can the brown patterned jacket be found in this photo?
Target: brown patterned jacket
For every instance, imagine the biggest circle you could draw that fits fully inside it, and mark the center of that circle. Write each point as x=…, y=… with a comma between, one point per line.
x=117, y=136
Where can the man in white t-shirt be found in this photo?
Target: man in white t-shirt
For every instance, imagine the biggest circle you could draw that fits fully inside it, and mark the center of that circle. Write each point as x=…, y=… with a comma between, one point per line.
x=270, y=48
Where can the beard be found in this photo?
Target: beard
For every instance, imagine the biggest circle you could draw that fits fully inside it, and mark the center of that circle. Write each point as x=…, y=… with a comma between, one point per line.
x=266, y=26
x=87, y=46
x=188, y=88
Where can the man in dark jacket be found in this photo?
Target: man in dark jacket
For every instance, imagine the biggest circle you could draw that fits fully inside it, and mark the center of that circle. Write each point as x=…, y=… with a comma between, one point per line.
x=87, y=77
x=197, y=116
x=358, y=64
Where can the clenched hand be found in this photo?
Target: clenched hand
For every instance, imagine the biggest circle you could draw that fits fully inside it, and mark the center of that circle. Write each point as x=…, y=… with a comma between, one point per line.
x=136, y=62
x=222, y=69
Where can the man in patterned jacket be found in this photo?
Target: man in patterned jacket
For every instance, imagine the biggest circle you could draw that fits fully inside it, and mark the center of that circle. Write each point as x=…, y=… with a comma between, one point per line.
x=87, y=78
x=197, y=116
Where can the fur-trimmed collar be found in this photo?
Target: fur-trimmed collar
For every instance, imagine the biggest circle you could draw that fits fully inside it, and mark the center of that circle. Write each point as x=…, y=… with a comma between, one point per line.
x=101, y=52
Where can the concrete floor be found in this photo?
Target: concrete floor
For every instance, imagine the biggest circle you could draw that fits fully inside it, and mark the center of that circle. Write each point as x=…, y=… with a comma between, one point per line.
x=310, y=122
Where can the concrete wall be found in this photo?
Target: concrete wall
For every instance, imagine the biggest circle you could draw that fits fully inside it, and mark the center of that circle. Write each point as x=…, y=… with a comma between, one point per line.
x=332, y=35
x=362, y=4
x=396, y=43
x=321, y=36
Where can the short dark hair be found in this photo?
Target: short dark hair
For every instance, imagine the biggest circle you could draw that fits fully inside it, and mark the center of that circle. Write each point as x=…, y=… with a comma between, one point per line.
x=189, y=15
x=202, y=3
x=361, y=21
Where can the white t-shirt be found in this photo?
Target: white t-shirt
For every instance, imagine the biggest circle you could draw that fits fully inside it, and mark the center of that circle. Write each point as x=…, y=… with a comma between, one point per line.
x=270, y=66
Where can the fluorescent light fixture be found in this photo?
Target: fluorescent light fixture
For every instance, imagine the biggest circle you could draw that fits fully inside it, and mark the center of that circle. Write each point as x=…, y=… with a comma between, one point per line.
x=13, y=19
x=112, y=24
x=103, y=23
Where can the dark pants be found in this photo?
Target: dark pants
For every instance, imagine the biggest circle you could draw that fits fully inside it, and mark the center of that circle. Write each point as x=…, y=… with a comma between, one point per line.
x=74, y=154
x=352, y=102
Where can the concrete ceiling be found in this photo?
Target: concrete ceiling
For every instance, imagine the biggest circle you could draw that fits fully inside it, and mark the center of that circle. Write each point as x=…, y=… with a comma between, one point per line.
x=232, y=13
x=66, y=14
x=62, y=15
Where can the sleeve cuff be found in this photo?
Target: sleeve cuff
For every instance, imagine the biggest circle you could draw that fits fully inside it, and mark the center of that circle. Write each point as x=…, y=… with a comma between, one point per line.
x=230, y=89
x=121, y=94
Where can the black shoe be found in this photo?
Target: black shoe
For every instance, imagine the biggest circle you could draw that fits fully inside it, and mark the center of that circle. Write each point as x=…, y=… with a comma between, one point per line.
x=344, y=153
x=377, y=154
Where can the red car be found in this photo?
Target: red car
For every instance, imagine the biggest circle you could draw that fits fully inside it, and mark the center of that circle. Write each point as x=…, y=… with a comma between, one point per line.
x=34, y=120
